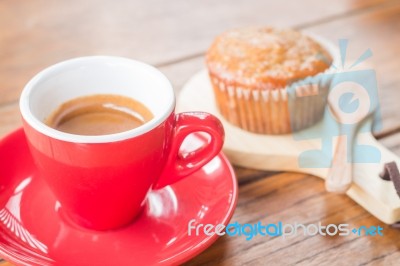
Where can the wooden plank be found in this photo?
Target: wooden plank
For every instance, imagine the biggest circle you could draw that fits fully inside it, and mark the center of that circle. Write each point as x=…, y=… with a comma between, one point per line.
x=35, y=34
x=298, y=198
x=389, y=259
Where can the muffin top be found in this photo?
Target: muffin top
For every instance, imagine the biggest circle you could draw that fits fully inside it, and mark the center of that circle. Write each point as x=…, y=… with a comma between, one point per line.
x=266, y=57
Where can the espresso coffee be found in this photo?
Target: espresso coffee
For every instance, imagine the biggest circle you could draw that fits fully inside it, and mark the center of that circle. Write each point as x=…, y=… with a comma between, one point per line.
x=99, y=114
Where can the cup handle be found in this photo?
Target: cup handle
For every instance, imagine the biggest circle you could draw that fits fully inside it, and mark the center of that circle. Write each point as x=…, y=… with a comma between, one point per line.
x=178, y=166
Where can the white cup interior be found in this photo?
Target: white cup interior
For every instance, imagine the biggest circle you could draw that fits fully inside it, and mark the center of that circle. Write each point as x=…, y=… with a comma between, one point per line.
x=96, y=75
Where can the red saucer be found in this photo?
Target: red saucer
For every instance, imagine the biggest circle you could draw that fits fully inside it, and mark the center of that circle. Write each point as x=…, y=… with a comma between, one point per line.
x=33, y=230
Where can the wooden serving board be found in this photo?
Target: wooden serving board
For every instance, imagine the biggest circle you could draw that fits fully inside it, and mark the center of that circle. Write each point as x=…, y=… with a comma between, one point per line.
x=281, y=152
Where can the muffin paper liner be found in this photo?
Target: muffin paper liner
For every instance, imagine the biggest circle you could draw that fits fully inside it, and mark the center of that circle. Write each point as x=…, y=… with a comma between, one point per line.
x=274, y=110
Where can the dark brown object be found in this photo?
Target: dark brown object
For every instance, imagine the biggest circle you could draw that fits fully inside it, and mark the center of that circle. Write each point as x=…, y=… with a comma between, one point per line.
x=396, y=225
x=394, y=175
x=391, y=173
x=385, y=173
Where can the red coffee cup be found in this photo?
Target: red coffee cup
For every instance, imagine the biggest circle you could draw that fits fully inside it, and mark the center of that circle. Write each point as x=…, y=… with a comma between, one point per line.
x=102, y=181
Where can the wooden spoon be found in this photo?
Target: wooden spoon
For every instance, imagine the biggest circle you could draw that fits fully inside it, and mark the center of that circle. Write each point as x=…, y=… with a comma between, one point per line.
x=351, y=106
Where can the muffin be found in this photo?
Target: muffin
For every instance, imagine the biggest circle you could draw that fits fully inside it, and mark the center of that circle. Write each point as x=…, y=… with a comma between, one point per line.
x=267, y=80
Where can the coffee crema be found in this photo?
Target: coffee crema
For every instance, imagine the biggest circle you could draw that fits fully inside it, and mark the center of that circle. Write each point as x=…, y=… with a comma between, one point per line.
x=99, y=114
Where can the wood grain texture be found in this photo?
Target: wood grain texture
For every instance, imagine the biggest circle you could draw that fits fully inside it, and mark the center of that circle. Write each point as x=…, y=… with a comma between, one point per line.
x=174, y=35
x=36, y=34
x=10, y=118
x=298, y=198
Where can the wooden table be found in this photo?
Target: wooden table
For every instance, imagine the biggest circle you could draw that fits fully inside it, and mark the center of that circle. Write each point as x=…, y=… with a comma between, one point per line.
x=173, y=35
